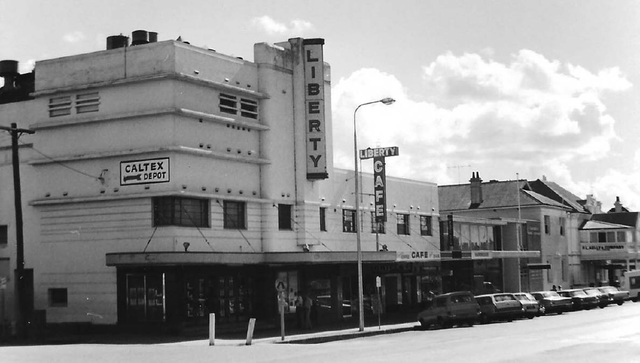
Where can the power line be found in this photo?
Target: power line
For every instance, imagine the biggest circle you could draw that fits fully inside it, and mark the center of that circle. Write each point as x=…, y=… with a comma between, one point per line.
x=99, y=178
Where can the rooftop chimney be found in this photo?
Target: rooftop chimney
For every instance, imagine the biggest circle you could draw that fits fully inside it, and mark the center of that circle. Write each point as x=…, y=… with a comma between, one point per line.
x=476, y=189
x=618, y=205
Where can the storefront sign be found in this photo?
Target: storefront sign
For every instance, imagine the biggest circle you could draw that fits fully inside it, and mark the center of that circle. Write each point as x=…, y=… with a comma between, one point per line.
x=369, y=153
x=144, y=171
x=379, y=189
x=481, y=255
x=417, y=256
x=314, y=109
x=603, y=248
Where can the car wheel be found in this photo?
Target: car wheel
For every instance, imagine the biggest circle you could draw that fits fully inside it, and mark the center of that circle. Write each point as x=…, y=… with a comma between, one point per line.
x=484, y=319
x=620, y=302
x=471, y=322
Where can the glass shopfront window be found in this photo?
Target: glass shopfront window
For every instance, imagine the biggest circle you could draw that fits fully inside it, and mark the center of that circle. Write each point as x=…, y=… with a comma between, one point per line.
x=145, y=297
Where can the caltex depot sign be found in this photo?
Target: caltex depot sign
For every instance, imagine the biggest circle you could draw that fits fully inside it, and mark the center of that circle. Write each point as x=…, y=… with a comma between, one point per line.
x=144, y=171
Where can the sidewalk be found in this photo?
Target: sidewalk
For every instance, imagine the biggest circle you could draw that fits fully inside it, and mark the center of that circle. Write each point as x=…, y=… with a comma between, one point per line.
x=263, y=334
x=316, y=337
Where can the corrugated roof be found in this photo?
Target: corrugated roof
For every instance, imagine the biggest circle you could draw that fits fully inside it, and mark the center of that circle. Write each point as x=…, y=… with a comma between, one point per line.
x=624, y=218
x=495, y=194
x=561, y=195
x=603, y=225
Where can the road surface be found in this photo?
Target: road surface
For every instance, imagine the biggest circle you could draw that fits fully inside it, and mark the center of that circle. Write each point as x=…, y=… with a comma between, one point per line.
x=611, y=334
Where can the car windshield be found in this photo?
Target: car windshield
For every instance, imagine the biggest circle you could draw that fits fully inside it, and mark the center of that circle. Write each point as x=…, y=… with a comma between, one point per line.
x=550, y=294
x=608, y=289
x=504, y=297
x=578, y=293
x=592, y=292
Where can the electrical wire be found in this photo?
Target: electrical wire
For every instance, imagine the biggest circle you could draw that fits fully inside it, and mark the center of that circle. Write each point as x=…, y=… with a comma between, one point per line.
x=98, y=178
x=196, y=225
x=239, y=230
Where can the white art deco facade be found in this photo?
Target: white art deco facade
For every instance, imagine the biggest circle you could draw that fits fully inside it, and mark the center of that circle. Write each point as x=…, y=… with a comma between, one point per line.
x=166, y=181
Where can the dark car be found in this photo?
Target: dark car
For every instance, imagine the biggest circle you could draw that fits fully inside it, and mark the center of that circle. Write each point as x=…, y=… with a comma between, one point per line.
x=502, y=306
x=531, y=306
x=580, y=299
x=616, y=296
x=603, y=299
x=450, y=309
x=552, y=302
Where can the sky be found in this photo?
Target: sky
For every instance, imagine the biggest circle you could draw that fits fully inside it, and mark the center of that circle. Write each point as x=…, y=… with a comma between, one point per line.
x=506, y=88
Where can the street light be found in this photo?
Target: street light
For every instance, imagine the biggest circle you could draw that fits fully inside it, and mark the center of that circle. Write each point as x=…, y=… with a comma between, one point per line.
x=386, y=101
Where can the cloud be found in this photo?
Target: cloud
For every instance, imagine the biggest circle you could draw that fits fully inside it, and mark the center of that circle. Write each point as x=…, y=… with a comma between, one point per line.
x=74, y=37
x=529, y=115
x=272, y=27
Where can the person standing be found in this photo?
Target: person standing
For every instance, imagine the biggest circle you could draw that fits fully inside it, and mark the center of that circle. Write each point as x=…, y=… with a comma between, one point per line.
x=307, y=303
x=299, y=311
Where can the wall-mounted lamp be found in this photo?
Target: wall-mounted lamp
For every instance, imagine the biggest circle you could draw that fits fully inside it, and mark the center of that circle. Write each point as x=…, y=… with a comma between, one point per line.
x=186, y=246
x=384, y=248
x=305, y=248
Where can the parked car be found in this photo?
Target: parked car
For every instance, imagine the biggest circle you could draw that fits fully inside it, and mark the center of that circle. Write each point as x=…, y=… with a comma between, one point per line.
x=552, y=302
x=502, y=306
x=603, y=299
x=616, y=296
x=450, y=309
x=580, y=299
x=531, y=306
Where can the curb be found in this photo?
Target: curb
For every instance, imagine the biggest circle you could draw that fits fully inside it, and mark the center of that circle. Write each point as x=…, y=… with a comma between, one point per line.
x=346, y=334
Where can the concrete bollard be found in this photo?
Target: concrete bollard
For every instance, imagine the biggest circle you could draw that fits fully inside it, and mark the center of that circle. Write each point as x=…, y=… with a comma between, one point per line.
x=252, y=325
x=212, y=329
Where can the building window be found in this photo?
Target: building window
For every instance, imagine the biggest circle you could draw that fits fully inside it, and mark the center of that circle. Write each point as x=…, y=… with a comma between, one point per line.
x=248, y=108
x=425, y=226
x=176, y=211
x=4, y=235
x=349, y=220
x=234, y=215
x=622, y=237
x=547, y=225
x=57, y=297
x=403, y=224
x=83, y=102
x=323, y=219
x=229, y=104
x=59, y=106
x=87, y=102
x=376, y=227
x=284, y=217
x=562, y=222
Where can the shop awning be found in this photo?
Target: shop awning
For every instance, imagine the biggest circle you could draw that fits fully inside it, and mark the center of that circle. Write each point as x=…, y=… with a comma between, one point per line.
x=228, y=258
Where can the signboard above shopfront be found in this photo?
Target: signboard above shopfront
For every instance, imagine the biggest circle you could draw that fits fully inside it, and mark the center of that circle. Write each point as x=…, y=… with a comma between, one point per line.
x=144, y=171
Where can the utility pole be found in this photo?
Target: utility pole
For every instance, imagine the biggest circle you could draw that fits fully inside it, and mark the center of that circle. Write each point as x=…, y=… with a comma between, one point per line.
x=21, y=297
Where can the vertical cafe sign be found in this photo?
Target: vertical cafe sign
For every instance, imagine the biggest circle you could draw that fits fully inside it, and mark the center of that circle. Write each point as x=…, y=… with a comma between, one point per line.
x=379, y=177
x=314, y=109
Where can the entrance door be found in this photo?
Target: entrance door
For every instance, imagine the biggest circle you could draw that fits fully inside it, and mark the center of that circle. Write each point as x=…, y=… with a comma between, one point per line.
x=145, y=298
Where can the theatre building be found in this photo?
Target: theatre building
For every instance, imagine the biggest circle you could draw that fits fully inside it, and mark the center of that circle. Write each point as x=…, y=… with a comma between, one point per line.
x=166, y=181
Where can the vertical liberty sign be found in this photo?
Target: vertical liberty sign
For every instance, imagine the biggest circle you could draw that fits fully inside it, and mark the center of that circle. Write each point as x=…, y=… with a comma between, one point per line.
x=379, y=178
x=314, y=109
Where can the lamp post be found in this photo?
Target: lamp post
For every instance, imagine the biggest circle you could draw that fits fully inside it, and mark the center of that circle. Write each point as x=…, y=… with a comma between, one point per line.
x=385, y=101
